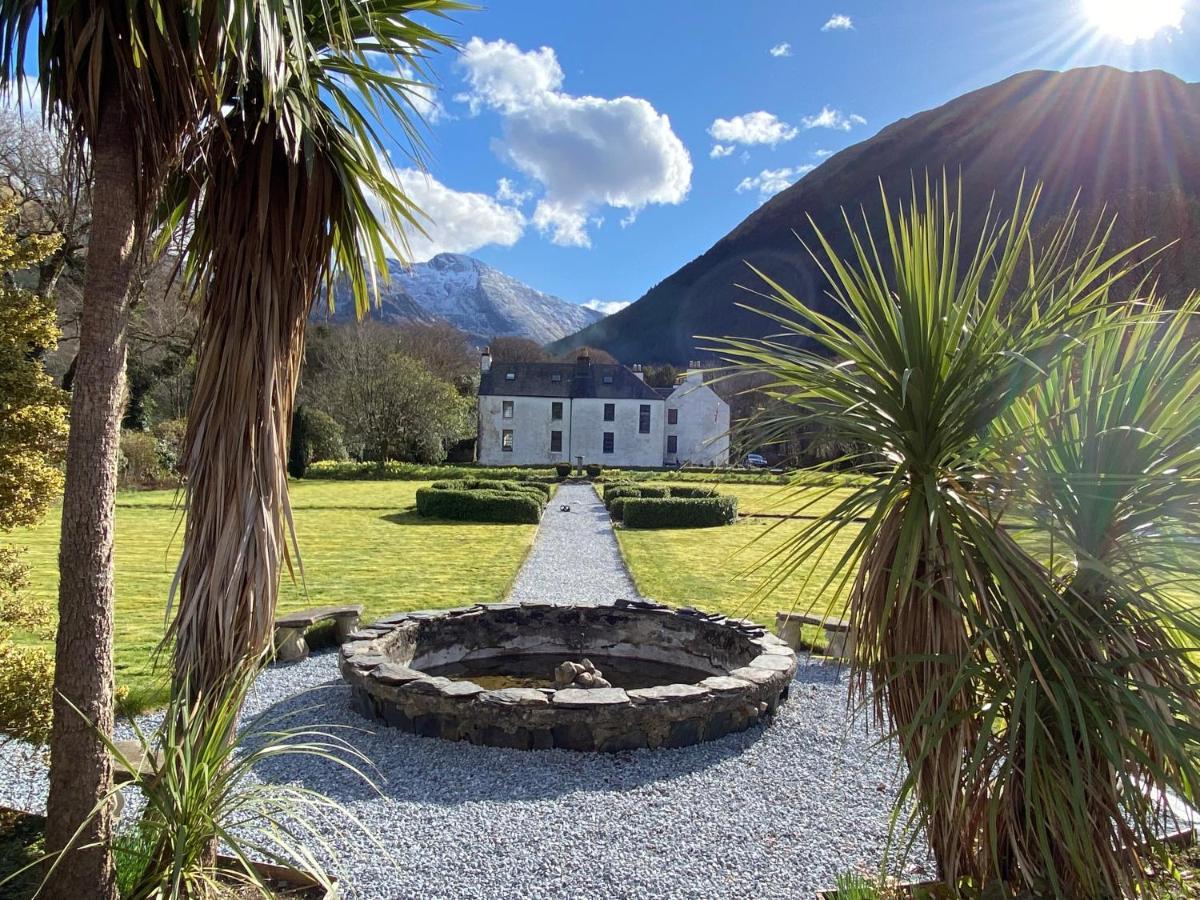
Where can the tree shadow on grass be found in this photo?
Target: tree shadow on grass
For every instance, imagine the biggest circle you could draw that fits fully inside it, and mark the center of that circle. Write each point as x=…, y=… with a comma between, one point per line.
x=431, y=771
x=412, y=517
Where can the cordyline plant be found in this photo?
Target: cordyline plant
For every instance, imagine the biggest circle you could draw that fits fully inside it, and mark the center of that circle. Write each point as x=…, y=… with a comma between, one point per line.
x=293, y=195
x=201, y=788
x=1035, y=700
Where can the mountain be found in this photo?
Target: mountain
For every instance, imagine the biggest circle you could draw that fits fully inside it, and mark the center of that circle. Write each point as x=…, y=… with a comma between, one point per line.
x=473, y=297
x=1128, y=140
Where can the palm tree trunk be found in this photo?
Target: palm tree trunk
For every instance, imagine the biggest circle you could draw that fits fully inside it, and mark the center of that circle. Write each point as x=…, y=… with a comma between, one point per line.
x=251, y=343
x=80, y=768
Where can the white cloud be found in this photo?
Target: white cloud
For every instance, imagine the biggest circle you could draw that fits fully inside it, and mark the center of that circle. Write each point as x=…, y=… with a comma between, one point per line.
x=720, y=150
x=821, y=154
x=838, y=22
x=457, y=221
x=833, y=118
x=567, y=227
x=608, y=307
x=752, y=128
x=585, y=152
x=506, y=192
x=769, y=182
x=506, y=78
x=784, y=49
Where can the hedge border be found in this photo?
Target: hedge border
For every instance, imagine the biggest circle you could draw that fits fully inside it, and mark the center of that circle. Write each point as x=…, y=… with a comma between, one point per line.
x=678, y=512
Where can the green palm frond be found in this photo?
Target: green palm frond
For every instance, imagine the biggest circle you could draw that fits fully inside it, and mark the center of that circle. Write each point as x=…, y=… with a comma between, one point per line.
x=149, y=61
x=972, y=651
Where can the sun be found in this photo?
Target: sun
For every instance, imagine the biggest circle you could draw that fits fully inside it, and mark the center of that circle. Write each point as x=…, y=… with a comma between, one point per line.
x=1133, y=20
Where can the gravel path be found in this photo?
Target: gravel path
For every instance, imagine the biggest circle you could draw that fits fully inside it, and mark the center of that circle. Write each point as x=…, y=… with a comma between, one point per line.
x=575, y=555
x=774, y=812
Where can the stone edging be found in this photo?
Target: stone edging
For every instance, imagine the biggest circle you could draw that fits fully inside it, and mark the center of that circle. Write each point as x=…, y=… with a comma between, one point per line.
x=751, y=671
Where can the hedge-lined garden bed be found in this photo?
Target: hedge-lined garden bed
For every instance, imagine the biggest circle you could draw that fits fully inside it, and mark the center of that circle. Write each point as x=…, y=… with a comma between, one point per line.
x=484, y=500
x=404, y=471
x=659, y=506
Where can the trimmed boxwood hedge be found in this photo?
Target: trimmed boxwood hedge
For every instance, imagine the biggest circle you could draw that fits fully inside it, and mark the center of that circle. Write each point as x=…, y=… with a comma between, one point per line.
x=482, y=500
x=678, y=512
x=487, y=484
x=634, y=490
x=562, y=470
x=690, y=491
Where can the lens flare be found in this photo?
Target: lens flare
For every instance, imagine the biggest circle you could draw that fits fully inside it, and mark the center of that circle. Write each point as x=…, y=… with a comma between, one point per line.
x=1133, y=20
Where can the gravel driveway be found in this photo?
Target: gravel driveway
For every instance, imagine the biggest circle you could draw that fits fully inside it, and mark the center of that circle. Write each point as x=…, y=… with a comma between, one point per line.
x=575, y=555
x=774, y=812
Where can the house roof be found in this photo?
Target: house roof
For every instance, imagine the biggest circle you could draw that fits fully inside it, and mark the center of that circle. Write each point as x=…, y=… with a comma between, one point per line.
x=565, y=380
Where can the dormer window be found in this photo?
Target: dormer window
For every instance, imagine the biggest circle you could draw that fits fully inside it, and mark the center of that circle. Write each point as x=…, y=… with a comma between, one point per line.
x=510, y=376
x=608, y=379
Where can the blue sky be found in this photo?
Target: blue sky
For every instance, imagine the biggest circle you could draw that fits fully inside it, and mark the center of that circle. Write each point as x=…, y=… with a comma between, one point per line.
x=572, y=142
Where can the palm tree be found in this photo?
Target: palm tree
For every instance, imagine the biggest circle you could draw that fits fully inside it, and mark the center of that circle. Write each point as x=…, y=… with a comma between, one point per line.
x=121, y=80
x=1034, y=701
x=278, y=210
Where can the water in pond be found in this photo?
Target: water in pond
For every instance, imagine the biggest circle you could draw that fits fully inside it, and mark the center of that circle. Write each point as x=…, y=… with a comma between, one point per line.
x=536, y=670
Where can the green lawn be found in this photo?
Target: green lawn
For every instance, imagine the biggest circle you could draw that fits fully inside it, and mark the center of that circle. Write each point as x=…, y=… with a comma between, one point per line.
x=725, y=569
x=359, y=543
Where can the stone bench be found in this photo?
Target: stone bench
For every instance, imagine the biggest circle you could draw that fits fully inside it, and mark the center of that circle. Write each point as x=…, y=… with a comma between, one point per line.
x=140, y=765
x=839, y=639
x=290, y=645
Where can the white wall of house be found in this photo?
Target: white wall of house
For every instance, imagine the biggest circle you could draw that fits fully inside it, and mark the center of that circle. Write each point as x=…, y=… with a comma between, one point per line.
x=531, y=425
x=582, y=426
x=630, y=446
x=702, y=429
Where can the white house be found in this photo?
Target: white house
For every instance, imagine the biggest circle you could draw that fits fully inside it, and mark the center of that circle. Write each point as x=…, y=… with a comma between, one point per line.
x=544, y=413
x=697, y=430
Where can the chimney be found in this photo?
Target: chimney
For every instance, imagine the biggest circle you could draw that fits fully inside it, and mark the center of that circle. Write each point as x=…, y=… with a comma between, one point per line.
x=637, y=370
x=584, y=358
x=485, y=360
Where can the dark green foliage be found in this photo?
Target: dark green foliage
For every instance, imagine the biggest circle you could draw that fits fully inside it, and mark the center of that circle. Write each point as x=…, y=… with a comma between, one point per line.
x=612, y=487
x=492, y=484
x=626, y=489
x=594, y=470
x=479, y=505
x=616, y=508
x=562, y=470
x=406, y=471
x=316, y=436
x=678, y=512
x=484, y=500
x=689, y=491
x=297, y=462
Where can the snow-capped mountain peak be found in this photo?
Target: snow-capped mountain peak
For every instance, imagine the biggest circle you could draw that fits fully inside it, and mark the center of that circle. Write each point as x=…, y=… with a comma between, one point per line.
x=476, y=298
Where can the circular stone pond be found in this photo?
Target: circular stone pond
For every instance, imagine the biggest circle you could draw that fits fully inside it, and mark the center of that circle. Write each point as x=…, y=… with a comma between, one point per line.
x=487, y=674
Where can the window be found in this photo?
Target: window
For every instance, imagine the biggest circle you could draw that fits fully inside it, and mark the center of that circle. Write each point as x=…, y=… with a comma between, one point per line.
x=610, y=412
x=508, y=409
x=510, y=375
x=644, y=419
x=556, y=410
x=672, y=444
x=506, y=440
x=557, y=376
x=607, y=379
x=556, y=442
x=608, y=442
x=672, y=417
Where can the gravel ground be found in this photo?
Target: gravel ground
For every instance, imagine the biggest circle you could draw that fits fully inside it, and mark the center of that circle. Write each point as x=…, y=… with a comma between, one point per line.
x=575, y=555
x=774, y=812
